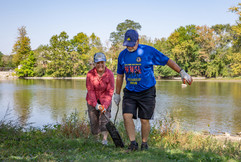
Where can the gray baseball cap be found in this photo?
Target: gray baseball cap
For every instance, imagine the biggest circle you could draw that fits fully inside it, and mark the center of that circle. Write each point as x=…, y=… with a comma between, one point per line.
x=99, y=57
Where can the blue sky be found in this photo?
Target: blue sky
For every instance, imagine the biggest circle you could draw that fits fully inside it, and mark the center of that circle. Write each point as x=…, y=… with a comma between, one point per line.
x=158, y=18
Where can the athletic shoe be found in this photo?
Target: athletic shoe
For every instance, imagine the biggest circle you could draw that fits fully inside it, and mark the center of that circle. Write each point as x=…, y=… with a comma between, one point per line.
x=133, y=147
x=144, y=146
x=105, y=142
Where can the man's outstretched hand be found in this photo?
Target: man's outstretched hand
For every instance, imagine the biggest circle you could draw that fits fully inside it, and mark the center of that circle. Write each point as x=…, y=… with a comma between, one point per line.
x=185, y=77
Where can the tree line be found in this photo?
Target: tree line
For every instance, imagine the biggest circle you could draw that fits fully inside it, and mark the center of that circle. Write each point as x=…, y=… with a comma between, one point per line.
x=200, y=50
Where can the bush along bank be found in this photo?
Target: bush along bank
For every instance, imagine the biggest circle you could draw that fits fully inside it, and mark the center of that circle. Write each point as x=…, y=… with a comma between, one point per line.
x=71, y=140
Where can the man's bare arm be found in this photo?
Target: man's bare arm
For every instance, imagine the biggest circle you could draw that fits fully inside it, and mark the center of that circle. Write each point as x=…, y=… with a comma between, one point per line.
x=173, y=65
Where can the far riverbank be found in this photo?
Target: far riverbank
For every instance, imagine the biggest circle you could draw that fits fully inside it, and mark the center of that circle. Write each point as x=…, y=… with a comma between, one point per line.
x=9, y=75
x=163, y=79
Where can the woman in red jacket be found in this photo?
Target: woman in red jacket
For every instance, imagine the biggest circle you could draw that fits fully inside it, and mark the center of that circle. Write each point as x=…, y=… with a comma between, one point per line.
x=100, y=88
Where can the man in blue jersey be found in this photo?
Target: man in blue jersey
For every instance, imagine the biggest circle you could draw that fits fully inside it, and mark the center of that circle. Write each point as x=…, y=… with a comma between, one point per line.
x=136, y=62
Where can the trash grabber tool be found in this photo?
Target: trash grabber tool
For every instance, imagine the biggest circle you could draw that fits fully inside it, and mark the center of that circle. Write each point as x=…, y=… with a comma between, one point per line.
x=116, y=113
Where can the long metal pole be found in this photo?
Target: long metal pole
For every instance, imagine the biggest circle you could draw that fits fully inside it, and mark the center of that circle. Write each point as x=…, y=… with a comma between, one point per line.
x=116, y=113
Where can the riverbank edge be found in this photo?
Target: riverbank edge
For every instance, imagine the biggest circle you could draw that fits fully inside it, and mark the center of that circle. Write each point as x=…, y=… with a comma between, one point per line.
x=10, y=75
x=162, y=79
x=173, y=78
x=159, y=79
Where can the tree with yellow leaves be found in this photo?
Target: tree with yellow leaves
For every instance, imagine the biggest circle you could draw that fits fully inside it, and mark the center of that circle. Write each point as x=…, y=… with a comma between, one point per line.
x=236, y=56
x=21, y=48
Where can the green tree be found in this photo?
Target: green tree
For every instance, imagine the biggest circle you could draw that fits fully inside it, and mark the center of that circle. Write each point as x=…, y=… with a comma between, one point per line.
x=236, y=55
x=95, y=42
x=217, y=66
x=112, y=57
x=60, y=61
x=43, y=56
x=1, y=62
x=118, y=36
x=71, y=57
x=184, y=49
x=84, y=48
x=22, y=46
x=235, y=64
x=218, y=62
x=223, y=34
x=80, y=43
x=162, y=45
x=95, y=46
x=146, y=40
x=206, y=42
x=7, y=61
x=237, y=28
x=60, y=42
x=60, y=64
x=80, y=46
x=27, y=66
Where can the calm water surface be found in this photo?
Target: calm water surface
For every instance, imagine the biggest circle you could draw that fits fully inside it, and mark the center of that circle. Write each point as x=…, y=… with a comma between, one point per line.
x=212, y=106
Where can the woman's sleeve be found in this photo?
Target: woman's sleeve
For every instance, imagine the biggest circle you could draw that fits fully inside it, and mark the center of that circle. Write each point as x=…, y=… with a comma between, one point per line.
x=91, y=97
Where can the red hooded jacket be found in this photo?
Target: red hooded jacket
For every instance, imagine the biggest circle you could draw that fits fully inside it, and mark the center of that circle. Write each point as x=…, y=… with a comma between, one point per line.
x=100, y=88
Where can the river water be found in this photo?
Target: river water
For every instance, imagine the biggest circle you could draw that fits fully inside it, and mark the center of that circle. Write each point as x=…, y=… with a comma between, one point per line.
x=213, y=106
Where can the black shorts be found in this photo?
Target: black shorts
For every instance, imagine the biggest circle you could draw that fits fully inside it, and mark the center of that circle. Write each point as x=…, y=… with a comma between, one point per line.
x=144, y=101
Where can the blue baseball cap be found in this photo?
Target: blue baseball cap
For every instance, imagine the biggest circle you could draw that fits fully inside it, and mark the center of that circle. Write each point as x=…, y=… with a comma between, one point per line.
x=131, y=36
x=99, y=57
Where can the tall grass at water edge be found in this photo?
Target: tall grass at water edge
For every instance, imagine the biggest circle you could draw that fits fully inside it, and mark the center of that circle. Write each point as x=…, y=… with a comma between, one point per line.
x=71, y=140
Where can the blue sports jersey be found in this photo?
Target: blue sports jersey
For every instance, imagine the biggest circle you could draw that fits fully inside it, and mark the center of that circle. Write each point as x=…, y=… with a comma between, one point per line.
x=138, y=67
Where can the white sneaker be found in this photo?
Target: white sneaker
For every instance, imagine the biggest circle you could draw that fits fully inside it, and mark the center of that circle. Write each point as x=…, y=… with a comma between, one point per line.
x=105, y=142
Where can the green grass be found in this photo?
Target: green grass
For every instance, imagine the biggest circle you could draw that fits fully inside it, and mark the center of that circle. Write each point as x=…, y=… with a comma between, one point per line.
x=71, y=140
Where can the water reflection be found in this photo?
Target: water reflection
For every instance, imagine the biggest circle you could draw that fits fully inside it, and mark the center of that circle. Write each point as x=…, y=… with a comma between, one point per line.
x=22, y=100
x=212, y=106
